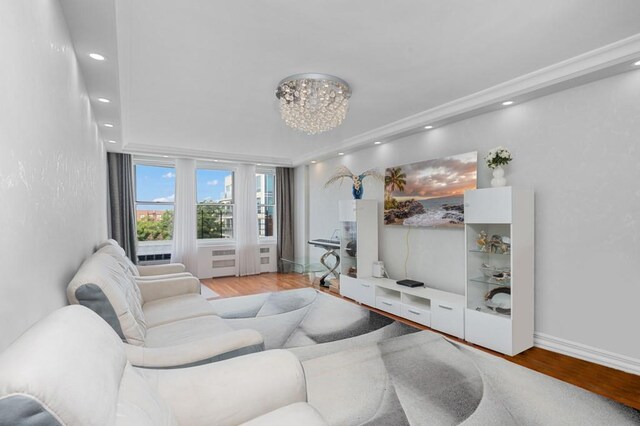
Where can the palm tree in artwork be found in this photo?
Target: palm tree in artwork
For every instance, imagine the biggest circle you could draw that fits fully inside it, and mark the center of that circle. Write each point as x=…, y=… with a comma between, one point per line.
x=395, y=179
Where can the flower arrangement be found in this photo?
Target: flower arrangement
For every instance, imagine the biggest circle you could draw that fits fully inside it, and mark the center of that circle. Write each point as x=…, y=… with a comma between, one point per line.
x=498, y=156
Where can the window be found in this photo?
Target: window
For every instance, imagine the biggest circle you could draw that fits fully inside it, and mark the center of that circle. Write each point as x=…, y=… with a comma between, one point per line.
x=155, y=193
x=214, y=189
x=265, y=195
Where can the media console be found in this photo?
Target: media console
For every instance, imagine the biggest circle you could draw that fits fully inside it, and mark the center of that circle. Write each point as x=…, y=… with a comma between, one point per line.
x=440, y=310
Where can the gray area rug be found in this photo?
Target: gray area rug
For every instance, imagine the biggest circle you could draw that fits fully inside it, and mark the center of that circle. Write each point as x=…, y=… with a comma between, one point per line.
x=424, y=379
x=363, y=368
x=307, y=317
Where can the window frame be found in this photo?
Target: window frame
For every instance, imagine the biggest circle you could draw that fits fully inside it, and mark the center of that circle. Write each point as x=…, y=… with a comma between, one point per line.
x=152, y=162
x=274, y=237
x=202, y=165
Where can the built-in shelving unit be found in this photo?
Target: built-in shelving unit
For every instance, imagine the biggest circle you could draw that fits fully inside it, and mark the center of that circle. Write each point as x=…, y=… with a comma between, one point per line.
x=359, y=237
x=499, y=235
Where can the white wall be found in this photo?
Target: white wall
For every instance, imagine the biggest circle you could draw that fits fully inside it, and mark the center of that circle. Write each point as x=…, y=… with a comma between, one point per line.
x=580, y=151
x=52, y=165
x=301, y=211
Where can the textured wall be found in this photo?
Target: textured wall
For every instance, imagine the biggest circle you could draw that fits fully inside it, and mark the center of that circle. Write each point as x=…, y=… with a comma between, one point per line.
x=580, y=151
x=52, y=165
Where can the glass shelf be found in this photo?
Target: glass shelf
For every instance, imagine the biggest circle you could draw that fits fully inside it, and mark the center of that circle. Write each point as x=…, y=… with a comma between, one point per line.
x=486, y=310
x=491, y=281
x=488, y=252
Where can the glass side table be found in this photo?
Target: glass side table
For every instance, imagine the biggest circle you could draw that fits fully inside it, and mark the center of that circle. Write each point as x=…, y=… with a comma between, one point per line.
x=302, y=265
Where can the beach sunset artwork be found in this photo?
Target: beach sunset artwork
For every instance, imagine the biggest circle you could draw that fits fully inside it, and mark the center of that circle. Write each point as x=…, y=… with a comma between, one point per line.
x=429, y=193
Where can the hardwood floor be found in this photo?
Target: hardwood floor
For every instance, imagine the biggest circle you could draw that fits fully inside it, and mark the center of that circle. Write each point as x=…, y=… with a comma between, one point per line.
x=263, y=283
x=617, y=385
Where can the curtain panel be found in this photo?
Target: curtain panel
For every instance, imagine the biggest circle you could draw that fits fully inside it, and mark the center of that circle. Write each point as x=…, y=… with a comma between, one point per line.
x=246, y=227
x=122, y=208
x=185, y=243
x=284, y=209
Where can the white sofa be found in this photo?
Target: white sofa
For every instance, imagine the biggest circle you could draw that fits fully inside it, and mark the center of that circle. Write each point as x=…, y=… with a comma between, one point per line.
x=71, y=369
x=112, y=248
x=164, y=323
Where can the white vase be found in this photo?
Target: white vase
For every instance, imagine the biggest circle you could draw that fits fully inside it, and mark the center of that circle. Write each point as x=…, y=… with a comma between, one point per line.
x=498, y=177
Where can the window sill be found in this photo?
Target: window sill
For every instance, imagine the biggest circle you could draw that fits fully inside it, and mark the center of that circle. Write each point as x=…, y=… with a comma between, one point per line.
x=216, y=242
x=229, y=242
x=155, y=243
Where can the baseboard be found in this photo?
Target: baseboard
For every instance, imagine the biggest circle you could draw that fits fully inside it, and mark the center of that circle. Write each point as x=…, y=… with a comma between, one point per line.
x=587, y=353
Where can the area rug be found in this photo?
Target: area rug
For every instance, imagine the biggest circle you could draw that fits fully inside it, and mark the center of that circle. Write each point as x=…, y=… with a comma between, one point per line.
x=422, y=378
x=307, y=317
x=363, y=368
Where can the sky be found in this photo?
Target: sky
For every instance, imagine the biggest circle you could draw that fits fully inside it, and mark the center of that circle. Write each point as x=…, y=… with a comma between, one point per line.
x=155, y=183
x=442, y=177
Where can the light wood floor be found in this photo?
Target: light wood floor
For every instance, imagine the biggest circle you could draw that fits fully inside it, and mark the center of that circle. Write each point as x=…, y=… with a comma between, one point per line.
x=614, y=384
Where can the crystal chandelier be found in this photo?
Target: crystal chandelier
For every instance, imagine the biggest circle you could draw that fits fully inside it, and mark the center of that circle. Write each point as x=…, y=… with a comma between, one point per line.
x=313, y=103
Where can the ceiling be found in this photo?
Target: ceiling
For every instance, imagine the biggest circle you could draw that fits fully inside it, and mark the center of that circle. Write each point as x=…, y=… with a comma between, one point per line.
x=199, y=76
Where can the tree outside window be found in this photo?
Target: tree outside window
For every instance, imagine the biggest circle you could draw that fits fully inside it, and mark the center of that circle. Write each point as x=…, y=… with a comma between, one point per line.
x=155, y=194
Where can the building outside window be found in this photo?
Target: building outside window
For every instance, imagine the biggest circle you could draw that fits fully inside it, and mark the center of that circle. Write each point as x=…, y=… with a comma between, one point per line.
x=266, y=201
x=214, y=193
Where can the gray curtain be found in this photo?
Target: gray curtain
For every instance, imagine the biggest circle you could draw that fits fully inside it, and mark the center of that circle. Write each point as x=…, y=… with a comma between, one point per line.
x=284, y=209
x=122, y=208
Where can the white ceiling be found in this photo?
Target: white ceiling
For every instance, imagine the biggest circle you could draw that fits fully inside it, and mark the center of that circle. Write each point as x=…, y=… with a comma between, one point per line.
x=200, y=75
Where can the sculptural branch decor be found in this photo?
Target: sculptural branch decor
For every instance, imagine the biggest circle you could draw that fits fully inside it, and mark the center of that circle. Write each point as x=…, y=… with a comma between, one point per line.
x=357, y=190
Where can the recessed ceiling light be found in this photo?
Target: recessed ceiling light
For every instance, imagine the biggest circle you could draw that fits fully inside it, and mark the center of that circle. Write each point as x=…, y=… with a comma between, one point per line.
x=377, y=143
x=110, y=141
x=428, y=127
x=313, y=161
x=507, y=103
x=341, y=153
x=96, y=56
x=259, y=164
x=216, y=160
x=637, y=64
x=104, y=100
x=165, y=156
x=108, y=125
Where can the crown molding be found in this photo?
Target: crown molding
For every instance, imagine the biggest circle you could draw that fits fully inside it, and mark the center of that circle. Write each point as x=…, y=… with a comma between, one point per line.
x=153, y=150
x=594, y=65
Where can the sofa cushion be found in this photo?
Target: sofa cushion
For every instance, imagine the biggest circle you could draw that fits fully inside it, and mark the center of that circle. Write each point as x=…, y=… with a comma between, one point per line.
x=102, y=285
x=296, y=414
x=162, y=311
x=138, y=404
x=112, y=248
x=186, y=331
x=130, y=270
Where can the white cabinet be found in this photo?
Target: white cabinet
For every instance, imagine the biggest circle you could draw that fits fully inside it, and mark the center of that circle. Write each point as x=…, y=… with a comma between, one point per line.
x=447, y=318
x=489, y=205
x=393, y=306
x=499, y=290
x=358, y=290
x=437, y=309
x=415, y=314
x=359, y=237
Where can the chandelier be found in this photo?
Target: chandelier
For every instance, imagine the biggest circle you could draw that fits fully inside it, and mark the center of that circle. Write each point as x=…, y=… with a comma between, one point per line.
x=313, y=103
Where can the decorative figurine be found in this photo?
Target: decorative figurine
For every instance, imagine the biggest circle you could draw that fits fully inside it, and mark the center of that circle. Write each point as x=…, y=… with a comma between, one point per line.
x=481, y=241
x=495, y=243
x=357, y=190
